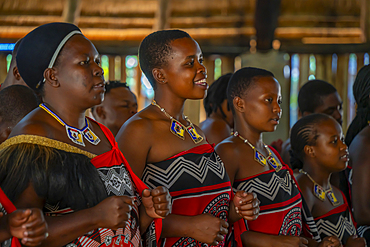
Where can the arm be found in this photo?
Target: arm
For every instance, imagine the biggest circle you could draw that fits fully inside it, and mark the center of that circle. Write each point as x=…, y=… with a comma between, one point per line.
x=257, y=239
x=359, y=158
x=113, y=213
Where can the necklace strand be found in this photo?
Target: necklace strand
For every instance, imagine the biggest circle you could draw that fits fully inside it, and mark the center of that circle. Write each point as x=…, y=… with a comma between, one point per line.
x=74, y=134
x=320, y=192
x=259, y=157
x=178, y=129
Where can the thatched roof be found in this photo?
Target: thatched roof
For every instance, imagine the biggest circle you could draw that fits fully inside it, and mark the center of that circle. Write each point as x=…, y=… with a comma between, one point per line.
x=224, y=26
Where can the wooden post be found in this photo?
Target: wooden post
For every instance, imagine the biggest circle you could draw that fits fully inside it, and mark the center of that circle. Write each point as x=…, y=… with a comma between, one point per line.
x=360, y=60
x=304, y=66
x=342, y=86
x=3, y=65
x=123, y=69
x=162, y=15
x=320, y=67
x=227, y=65
x=365, y=20
x=111, y=68
x=71, y=11
x=328, y=73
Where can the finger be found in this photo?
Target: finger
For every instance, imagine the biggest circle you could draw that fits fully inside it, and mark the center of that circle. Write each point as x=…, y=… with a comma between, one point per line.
x=36, y=231
x=223, y=231
x=162, y=213
x=251, y=218
x=161, y=198
x=160, y=190
x=130, y=200
x=146, y=193
x=162, y=206
x=250, y=212
x=33, y=241
x=303, y=241
x=224, y=224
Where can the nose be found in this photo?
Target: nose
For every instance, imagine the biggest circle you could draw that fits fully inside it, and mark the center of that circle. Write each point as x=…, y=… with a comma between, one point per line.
x=337, y=115
x=133, y=110
x=277, y=108
x=98, y=71
x=202, y=69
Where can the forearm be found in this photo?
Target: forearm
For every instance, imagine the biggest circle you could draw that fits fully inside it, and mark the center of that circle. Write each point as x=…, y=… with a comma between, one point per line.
x=64, y=229
x=257, y=239
x=177, y=226
x=145, y=220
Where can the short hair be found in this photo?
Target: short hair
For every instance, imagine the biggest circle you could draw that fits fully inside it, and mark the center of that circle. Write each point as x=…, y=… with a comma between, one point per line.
x=304, y=132
x=155, y=49
x=115, y=84
x=311, y=94
x=216, y=95
x=109, y=85
x=241, y=80
x=16, y=102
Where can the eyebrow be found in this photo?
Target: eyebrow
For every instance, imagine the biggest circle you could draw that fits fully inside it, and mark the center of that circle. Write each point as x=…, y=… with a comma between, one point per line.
x=193, y=56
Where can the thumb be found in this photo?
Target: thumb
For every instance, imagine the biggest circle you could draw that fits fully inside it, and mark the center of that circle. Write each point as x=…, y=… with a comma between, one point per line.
x=146, y=193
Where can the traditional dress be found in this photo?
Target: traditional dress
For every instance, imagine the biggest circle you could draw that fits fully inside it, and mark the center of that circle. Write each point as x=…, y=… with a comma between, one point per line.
x=281, y=201
x=7, y=207
x=71, y=179
x=337, y=222
x=198, y=183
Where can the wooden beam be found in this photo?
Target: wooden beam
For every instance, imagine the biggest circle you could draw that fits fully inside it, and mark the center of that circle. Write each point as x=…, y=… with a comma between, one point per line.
x=71, y=11
x=266, y=19
x=365, y=20
x=162, y=15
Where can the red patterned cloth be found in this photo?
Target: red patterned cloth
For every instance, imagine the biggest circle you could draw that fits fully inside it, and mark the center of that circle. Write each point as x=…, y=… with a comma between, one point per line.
x=198, y=183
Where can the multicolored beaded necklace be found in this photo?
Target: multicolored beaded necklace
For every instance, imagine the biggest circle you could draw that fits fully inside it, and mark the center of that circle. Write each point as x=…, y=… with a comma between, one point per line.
x=74, y=134
x=319, y=191
x=259, y=157
x=178, y=129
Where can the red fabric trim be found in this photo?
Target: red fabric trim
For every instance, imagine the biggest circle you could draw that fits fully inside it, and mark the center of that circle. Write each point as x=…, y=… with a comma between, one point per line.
x=201, y=189
x=281, y=204
x=201, y=149
x=336, y=210
x=135, y=179
x=9, y=208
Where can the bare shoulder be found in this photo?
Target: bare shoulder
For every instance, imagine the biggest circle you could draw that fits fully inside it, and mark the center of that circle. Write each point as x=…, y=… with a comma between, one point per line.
x=359, y=149
x=34, y=124
x=227, y=149
x=137, y=126
x=306, y=188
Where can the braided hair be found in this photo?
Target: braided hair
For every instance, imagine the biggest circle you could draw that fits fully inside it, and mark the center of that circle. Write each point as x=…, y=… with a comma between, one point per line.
x=361, y=92
x=304, y=132
x=216, y=95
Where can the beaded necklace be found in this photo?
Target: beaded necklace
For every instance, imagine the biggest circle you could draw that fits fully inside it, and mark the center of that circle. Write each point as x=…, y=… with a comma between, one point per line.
x=259, y=157
x=74, y=134
x=178, y=129
x=319, y=191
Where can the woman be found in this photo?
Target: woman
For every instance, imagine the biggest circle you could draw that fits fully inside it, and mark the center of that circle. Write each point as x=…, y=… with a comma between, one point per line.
x=167, y=149
x=318, y=149
x=59, y=161
x=255, y=97
x=357, y=139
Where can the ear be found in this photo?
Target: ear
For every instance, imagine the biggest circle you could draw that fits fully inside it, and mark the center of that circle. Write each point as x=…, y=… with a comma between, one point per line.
x=16, y=73
x=239, y=104
x=100, y=112
x=309, y=151
x=159, y=76
x=50, y=75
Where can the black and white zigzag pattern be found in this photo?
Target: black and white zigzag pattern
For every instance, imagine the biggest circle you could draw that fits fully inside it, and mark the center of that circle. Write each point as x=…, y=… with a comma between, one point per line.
x=270, y=189
x=116, y=180
x=339, y=229
x=169, y=176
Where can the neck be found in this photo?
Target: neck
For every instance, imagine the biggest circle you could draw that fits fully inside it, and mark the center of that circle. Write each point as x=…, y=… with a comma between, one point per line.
x=252, y=135
x=70, y=115
x=175, y=108
x=321, y=176
x=218, y=115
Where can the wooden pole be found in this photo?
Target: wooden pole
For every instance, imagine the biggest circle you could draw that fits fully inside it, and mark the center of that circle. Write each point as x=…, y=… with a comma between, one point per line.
x=162, y=15
x=71, y=11
x=365, y=21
